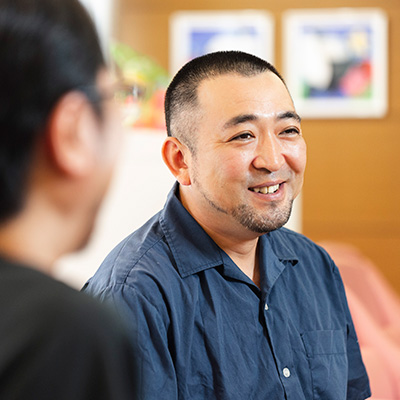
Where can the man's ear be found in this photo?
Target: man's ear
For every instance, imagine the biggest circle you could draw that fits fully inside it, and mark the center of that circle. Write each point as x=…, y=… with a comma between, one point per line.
x=71, y=135
x=176, y=156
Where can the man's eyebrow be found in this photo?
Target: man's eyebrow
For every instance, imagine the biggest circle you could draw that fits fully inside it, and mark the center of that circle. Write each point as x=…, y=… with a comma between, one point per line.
x=243, y=118
x=289, y=115
x=239, y=119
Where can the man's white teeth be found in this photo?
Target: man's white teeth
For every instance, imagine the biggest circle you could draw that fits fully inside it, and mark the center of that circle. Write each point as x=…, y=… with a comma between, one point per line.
x=266, y=189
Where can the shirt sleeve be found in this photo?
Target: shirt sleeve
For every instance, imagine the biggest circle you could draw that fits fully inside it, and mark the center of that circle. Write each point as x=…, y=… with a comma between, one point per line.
x=148, y=326
x=358, y=382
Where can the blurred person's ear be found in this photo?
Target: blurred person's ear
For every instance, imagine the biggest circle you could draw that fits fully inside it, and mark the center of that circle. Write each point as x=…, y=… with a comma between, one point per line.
x=176, y=157
x=72, y=135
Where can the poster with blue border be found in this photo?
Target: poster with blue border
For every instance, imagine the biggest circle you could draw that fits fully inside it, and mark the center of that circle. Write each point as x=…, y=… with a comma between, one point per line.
x=195, y=33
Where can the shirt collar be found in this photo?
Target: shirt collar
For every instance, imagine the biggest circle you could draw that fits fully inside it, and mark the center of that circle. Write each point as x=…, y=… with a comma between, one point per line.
x=193, y=249
x=280, y=245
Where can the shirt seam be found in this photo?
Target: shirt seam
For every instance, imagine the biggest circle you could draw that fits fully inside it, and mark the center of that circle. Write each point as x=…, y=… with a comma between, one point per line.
x=136, y=261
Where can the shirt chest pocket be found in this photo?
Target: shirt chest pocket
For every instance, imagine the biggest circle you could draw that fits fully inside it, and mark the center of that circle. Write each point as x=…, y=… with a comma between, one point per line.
x=326, y=354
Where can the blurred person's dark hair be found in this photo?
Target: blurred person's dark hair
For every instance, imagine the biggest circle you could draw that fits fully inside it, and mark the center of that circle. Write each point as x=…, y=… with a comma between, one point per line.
x=35, y=40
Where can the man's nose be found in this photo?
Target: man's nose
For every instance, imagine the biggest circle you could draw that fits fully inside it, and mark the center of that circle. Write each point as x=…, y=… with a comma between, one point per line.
x=269, y=155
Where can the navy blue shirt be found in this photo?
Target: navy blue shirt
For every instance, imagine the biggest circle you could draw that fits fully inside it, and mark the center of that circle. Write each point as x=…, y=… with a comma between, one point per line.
x=203, y=330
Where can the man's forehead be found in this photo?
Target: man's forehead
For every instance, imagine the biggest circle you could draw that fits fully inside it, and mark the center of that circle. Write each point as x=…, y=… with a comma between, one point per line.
x=236, y=84
x=234, y=90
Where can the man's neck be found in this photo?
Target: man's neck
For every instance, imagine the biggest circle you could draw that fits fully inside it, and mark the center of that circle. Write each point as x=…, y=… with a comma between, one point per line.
x=244, y=253
x=240, y=244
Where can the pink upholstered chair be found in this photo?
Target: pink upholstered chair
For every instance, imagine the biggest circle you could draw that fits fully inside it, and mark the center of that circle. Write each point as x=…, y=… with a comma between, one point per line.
x=381, y=355
x=369, y=285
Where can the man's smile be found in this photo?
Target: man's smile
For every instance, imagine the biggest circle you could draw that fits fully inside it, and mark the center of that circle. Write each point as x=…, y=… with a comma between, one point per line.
x=266, y=189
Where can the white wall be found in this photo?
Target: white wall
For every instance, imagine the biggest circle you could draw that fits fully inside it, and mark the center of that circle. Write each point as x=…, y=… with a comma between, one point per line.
x=102, y=12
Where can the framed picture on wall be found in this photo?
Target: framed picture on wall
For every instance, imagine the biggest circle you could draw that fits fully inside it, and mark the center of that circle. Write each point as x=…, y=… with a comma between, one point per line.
x=195, y=33
x=335, y=62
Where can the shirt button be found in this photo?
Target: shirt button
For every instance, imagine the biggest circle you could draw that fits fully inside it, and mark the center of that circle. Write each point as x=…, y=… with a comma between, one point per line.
x=286, y=372
x=266, y=308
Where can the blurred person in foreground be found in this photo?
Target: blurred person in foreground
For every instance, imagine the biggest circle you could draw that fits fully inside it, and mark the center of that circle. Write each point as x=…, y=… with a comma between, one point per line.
x=221, y=300
x=59, y=135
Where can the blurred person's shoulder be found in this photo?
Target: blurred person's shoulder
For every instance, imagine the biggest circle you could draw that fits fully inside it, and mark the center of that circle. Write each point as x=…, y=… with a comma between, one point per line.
x=39, y=305
x=68, y=341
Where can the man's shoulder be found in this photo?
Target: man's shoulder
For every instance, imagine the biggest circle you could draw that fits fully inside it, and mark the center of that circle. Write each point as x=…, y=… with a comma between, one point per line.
x=143, y=251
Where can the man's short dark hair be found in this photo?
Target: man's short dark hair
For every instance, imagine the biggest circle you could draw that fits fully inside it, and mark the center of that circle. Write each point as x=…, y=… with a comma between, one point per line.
x=181, y=97
x=47, y=48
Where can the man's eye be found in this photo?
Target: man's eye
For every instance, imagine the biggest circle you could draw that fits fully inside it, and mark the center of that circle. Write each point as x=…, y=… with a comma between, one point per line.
x=243, y=136
x=291, y=131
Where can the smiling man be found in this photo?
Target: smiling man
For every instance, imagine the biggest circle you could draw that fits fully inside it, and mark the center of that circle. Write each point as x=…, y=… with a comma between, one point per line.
x=222, y=302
